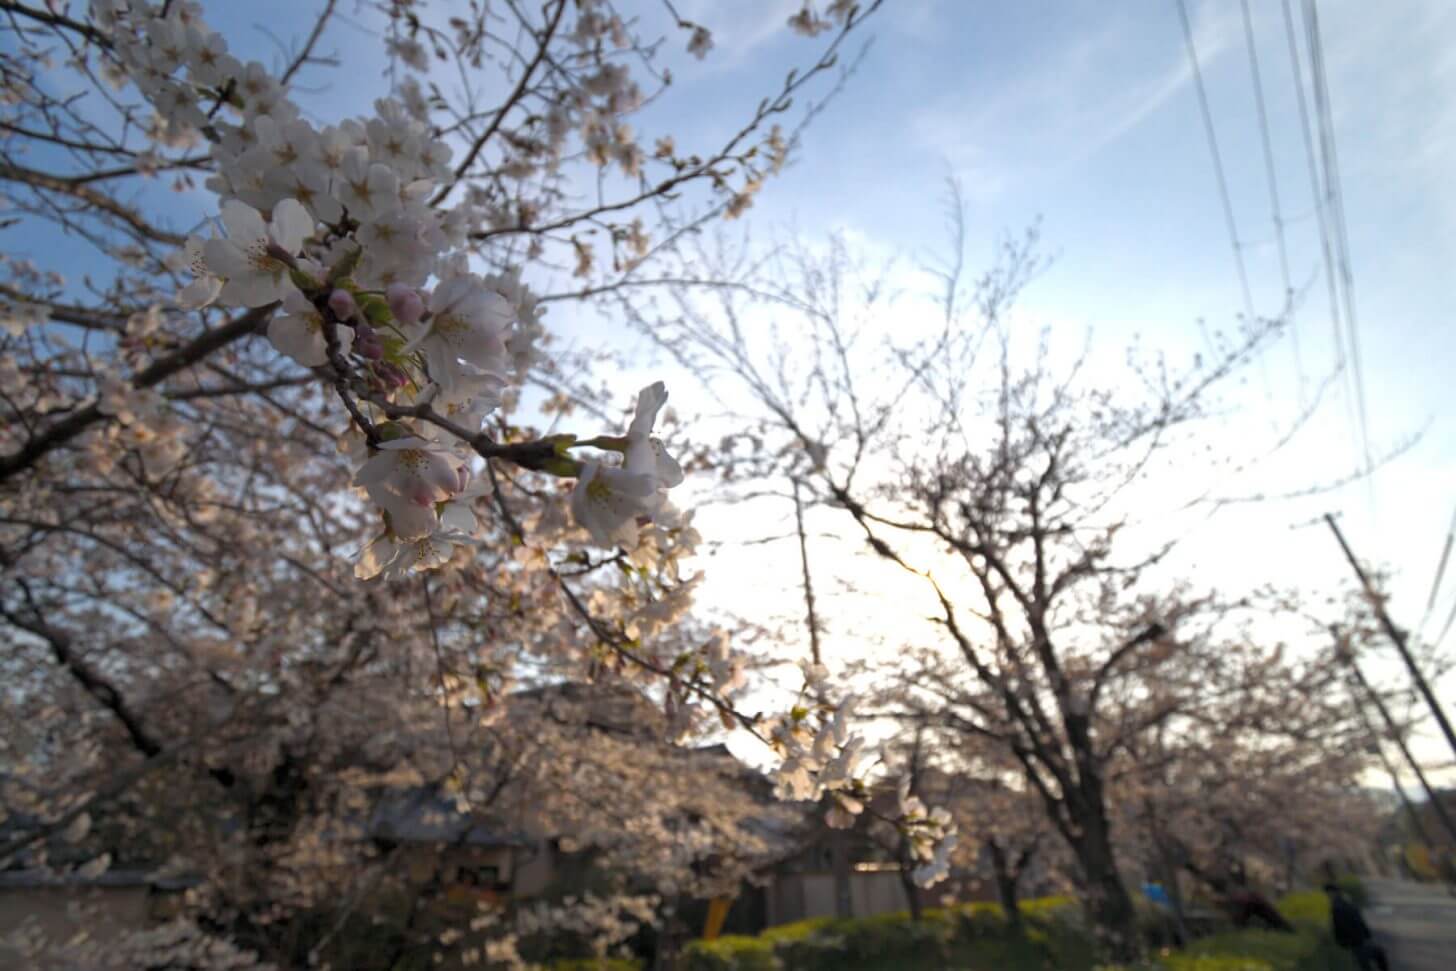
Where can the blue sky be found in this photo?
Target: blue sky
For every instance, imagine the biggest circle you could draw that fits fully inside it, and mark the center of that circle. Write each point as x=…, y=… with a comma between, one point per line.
x=1083, y=113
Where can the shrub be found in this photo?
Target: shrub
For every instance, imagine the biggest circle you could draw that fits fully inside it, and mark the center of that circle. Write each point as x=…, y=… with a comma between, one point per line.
x=886, y=940
x=1046, y=906
x=1306, y=907
x=732, y=952
x=596, y=964
x=976, y=937
x=1308, y=950
x=1215, y=962
x=877, y=938
x=821, y=951
x=976, y=921
x=798, y=930
x=1354, y=888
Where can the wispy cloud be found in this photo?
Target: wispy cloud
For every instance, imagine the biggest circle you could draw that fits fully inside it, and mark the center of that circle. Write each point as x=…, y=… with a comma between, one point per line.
x=739, y=28
x=1071, y=100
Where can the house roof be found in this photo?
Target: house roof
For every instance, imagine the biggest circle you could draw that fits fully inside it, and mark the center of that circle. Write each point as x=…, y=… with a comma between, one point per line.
x=612, y=707
x=130, y=877
x=424, y=815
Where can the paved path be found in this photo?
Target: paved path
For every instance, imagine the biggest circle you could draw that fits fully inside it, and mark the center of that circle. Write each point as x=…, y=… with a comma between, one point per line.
x=1416, y=922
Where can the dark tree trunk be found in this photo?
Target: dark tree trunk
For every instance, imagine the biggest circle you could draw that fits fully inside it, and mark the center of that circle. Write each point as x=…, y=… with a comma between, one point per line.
x=1167, y=870
x=840, y=867
x=912, y=894
x=1006, y=880
x=1109, y=907
x=907, y=880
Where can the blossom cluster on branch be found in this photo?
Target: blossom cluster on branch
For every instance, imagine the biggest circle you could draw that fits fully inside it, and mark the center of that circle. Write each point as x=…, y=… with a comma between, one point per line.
x=334, y=362
x=336, y=225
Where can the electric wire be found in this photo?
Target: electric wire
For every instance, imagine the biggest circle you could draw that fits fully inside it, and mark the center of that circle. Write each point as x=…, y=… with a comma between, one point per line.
x=1440, y=572
x=1218, y=170
x=1334, y=198
x=1272, y=179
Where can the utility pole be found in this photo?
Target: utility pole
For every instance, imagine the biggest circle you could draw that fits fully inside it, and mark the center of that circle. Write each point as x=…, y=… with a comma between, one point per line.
x=811, y=617
x=1344, y=653
x=1396, y=636
x=1417, y=824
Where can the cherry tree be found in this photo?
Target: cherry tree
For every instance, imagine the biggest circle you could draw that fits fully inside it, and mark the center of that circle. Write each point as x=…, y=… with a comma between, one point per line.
x=1236, y=778
x=1008, y=478
x=1004, y=836
x=287, y=510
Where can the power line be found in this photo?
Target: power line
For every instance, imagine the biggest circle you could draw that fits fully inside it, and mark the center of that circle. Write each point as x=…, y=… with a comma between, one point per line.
x=1317, y=196
x=1321, y=219
x=1273, y=181
x=1334, y=196
x=1395, y=634
x=1223, y=190
x=1440, y=571
x=1445, y=628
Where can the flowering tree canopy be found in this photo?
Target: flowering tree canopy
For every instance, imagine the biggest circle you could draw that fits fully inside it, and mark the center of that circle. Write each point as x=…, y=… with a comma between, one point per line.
x=1006, y=481
x=287, y=520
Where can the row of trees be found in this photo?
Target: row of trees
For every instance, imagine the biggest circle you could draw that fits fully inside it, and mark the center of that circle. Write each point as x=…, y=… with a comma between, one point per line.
x=266, y=568
x=217, y=424
x=1155, y=727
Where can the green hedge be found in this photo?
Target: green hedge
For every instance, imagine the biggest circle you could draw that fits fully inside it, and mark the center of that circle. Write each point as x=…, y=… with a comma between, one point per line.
x=731, y=952
x=1354, y=888
x=1306, y=907
x=798, y=930
x=884, y=941
x=976, y=937
x=596, y=964
x=1211, y=962
x=1309, y=949
x=1241, y=952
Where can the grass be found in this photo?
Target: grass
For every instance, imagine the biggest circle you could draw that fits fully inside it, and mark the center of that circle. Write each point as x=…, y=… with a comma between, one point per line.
x=976, y=937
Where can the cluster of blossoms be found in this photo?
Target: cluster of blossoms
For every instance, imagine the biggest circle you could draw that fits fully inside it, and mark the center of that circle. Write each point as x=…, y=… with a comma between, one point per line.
x=810, y=23
x=179, y=943
x=18, y=316
x=825, y=758
x=611, y=500
x=143, y=424
x=23, y=276
x=605, y=922
x=336, y=225
x=335, y=234
x=820, y=759
x=932, y=835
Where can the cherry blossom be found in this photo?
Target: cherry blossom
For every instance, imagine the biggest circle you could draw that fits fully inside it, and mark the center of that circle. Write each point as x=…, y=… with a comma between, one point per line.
x=645, y=454
x=468, y=322
x=407, y=477
x=208, y=587
x=254, y=257
x=18, y=316
x=608, y=502
x=299, y=332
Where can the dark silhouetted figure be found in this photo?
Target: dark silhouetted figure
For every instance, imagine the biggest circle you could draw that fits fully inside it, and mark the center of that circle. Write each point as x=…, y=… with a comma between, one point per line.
x=1246, y=907
x=1249, y=908
x=1352, y=933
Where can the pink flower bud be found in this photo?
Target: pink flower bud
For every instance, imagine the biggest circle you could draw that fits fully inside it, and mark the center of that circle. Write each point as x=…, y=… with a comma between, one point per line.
x=392, y=375
x=367, y=343
x=341, y=302
x=405, y=303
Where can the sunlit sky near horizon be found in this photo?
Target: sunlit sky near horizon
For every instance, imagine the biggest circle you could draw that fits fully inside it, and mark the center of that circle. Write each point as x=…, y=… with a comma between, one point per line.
x=1085, y=115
